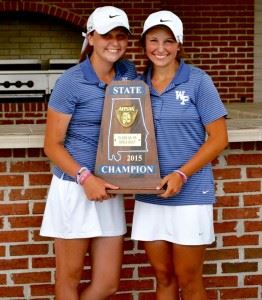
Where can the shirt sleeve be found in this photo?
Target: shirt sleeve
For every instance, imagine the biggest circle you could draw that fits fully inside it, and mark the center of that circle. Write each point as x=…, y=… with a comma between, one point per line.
x=62, y=98
x=209, y=103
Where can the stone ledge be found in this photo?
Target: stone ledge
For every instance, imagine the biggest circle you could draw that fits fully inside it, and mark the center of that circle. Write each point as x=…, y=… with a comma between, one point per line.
x=32, y=136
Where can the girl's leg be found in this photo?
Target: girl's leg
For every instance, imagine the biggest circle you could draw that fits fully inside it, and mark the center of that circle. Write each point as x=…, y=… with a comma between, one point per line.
x=160, y=256
x=70, y=255
x=188, y=266
x=106, y=257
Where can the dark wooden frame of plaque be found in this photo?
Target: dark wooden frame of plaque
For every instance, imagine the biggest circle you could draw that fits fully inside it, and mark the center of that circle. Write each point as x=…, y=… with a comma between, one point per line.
x=112, y=154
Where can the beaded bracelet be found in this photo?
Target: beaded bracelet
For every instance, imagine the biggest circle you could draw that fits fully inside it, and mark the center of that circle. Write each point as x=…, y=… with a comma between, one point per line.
x=182, y=175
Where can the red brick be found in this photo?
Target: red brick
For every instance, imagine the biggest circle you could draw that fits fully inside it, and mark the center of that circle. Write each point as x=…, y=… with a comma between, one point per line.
x=254, y=172
x=129, y=217
x=212, y=294
x=38, y=238
x=223, y=201
x=146, y=271
x=225, y=227
x=13, y=236
x=239, y=267
x=2, y=167
x=42, y=289
x=127, y=272
x=31, y=277
x=14, y=209
x=240, y=213
x=11, y=180
x=230, y=173
x=135, y=258
x=13, y=264
x=129, y=244
x=25, y=222
x=3, y=280
x=253, y=253
x=36, y=152
x=5, y=153
x=30, y=166
x=240, y=241
x=27, y=194
x=240, y=293
x=33, y=249
x=242, y=186
x=221, y=254
x=11, y=292
x=252, y=226
x=252, y=199
x=146, y=296
x=209, y=269
x=40, y=179
x=38, y=208
x=244, y=159
x=253, y=280
x=43, y=262
x=221, y=281
x=2, y=250
x=19, y=152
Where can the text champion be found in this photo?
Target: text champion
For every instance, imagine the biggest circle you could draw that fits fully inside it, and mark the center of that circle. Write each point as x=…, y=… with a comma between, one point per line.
x=130, y=169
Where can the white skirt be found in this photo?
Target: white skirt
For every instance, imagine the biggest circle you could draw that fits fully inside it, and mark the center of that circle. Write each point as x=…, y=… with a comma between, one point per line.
x=70, y=215
x=184, y=225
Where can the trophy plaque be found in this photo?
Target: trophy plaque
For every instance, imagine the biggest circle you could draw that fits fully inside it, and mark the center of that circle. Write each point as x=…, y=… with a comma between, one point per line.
x=127, y=152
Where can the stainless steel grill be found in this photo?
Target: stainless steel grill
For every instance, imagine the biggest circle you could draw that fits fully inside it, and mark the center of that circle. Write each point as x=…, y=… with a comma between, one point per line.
x=24, y=79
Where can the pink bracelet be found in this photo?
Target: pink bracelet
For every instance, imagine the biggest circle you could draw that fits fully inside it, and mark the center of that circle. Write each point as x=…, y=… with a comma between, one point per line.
x=182, y=175
x=84, y=176
x=79, y=173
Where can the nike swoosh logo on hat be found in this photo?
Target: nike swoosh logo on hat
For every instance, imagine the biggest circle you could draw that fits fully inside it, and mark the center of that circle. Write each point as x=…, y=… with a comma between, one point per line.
x=162, y=21
x=113, y=16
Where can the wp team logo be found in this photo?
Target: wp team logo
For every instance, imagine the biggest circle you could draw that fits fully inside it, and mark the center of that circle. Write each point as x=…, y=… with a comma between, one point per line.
x=180, y=96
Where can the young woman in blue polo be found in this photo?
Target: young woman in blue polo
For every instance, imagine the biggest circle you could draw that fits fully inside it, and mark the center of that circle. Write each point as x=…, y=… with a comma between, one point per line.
x=190, y=128
x=75, y=214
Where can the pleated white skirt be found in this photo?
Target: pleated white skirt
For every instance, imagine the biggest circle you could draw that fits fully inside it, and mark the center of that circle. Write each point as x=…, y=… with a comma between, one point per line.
x=184, y=225
x=70, y=215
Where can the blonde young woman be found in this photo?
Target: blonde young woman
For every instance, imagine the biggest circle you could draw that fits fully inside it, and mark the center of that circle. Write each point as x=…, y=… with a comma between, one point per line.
x=190, y=131
x=80, y=214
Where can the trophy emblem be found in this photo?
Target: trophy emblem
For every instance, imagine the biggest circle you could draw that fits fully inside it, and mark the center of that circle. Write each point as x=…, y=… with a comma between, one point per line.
x=126, y=115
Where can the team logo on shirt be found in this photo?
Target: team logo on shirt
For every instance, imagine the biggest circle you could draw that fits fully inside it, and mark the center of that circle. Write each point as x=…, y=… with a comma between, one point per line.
x=180, y=95
x=126, y=115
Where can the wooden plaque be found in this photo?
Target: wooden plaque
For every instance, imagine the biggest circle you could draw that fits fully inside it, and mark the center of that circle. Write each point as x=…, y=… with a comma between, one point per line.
x=127, y=152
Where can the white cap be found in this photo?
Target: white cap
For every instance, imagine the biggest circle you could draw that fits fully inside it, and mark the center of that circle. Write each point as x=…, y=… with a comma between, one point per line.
x=165, y=18
x=103, y=19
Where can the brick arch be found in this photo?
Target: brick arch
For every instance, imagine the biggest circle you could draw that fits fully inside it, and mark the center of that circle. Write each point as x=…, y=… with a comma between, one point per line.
x=44, y=8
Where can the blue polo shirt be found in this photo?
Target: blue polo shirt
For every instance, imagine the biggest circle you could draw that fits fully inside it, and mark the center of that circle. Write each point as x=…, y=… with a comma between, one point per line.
x=79, y=92
x=180, y=113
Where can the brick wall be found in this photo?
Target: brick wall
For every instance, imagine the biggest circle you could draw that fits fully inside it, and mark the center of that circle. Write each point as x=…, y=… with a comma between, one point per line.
x=257, y=52
x=233, y=264
x=23, y=112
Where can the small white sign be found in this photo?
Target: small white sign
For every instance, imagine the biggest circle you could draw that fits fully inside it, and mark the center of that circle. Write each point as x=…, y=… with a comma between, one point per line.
x=127, y=140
